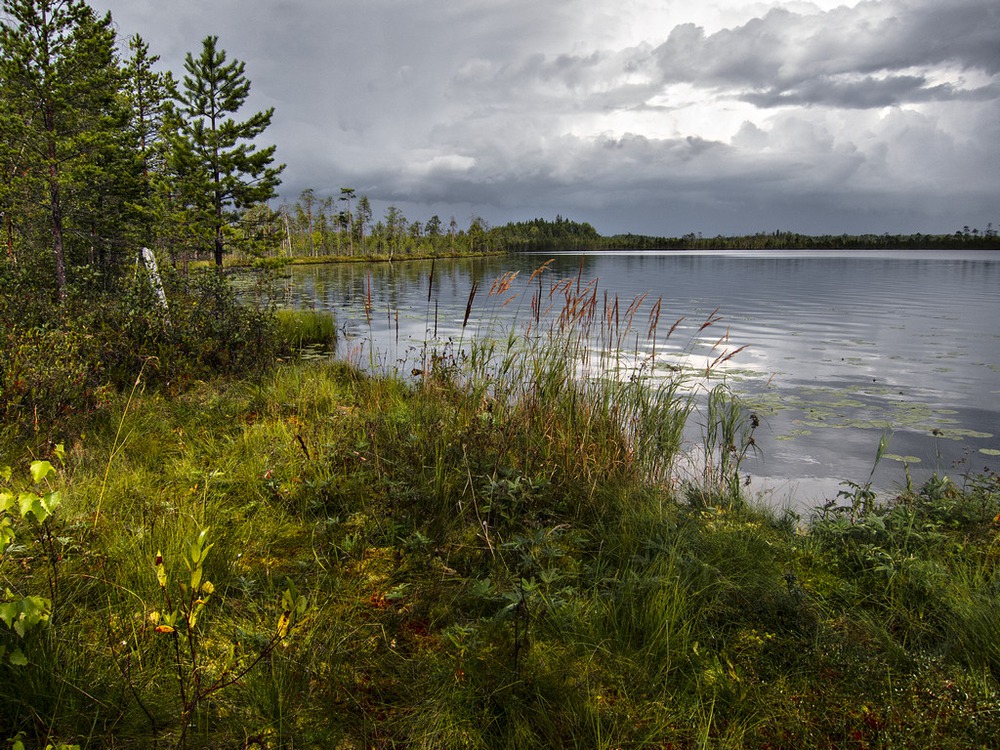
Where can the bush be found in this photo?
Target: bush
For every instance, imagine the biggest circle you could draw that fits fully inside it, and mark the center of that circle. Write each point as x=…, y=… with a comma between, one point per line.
x=57, y=361
x=48, y=374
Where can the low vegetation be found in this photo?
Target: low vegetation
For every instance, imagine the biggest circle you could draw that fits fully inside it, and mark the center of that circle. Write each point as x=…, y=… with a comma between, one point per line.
x=494, y=552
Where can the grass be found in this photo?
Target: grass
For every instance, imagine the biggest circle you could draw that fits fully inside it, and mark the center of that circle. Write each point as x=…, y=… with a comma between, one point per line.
x=496, y=554
x=302, y=329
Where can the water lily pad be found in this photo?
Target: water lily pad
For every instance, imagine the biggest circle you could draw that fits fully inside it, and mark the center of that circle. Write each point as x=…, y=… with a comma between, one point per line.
x=902, y=459
x=989, y=451
x=793, y=434
x=957, y=433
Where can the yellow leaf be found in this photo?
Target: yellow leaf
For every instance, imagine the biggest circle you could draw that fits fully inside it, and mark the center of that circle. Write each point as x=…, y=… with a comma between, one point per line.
x=161, y=572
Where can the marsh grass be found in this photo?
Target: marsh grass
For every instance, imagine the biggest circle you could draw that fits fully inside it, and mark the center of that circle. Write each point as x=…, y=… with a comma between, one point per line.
x=307, y=329
x=498, y=553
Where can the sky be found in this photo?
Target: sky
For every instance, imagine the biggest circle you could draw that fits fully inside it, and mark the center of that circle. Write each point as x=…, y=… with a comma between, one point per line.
x=655, y=117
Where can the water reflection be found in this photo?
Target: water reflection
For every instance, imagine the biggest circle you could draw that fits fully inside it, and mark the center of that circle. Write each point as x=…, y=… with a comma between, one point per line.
x=841, y=346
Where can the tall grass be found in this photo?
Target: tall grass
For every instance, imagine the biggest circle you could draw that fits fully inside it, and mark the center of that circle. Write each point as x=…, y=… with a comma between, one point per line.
x=300, y=329
x=562, y=347
x=499, y=553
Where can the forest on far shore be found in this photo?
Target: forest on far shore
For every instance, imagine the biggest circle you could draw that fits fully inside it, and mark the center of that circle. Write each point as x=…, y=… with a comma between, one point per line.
x=315, y=226
x=563, y=234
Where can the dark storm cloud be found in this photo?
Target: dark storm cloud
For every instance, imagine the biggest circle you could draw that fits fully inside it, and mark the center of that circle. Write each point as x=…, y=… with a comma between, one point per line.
x=879, y=115
x=848, y=57
x=866, y=93
x=854, y=57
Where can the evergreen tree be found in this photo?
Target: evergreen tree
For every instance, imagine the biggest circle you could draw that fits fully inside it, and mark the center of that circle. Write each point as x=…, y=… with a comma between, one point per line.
x=304, y=216
x=433, y=226
x=347, y=195
x=362, y=219
x=14, y=185
x=145, y=92
x=59, y=82
x=220, y=171
x=394, y=227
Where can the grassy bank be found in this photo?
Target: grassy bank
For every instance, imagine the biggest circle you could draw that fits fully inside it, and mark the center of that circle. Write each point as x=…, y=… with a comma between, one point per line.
x=460, y=562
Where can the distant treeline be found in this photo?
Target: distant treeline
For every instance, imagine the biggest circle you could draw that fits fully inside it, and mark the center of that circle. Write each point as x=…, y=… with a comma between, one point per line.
x=563, y=234
x=344, y=226
x=315, y=226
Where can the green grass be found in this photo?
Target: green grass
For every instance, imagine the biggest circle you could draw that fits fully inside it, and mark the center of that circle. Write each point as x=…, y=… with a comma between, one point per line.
x=490, y=574
x=498, y=554
x=307, y=328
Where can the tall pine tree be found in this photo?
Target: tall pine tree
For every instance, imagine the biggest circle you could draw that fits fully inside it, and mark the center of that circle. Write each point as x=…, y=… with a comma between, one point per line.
x=59, y=82
x=146, y=90
x=219, y=169
x=146, y=95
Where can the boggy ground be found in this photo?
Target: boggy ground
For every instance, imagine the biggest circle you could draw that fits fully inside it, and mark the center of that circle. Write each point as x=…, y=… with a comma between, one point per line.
x=446, y=563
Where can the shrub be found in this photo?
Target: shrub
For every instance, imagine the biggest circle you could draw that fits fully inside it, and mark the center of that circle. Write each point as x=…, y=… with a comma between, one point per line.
x=64, y=360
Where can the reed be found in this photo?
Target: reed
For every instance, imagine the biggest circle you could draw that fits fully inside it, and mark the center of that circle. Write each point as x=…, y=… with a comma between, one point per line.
x=576, y=348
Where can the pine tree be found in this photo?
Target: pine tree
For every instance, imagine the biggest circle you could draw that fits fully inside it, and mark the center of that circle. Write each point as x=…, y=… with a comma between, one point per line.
x=145, y=91
x=213, y=155
x=363, y=219
x=14, y=187
x=59, y=82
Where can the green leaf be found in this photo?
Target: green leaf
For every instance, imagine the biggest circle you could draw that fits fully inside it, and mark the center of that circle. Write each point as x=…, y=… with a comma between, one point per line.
x=26, y=500
x=5, y=473
x=33, y=504
x=199, y=549
x=8, y=611
x=40, y=470
x=51, y=501
x=35, y=610
x=6, y=501
x=18, y=659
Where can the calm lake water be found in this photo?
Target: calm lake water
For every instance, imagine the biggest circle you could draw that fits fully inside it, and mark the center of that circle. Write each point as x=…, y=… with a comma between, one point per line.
x=841, y=346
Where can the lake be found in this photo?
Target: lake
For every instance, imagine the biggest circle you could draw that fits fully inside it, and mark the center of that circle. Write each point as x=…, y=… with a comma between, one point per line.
x=840, y=346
